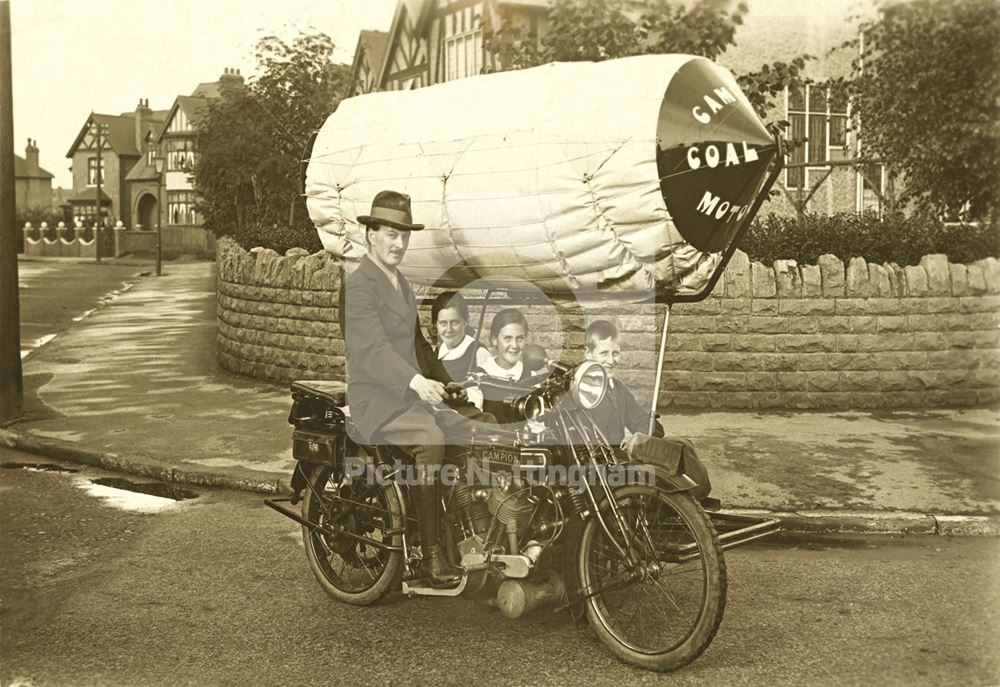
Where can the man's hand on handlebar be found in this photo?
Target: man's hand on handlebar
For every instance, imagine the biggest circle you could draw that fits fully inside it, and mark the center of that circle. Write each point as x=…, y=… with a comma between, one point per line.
x=455, y=392
x=429, y=390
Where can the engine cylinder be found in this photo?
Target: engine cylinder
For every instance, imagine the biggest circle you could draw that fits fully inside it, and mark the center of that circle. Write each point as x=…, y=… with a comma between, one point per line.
x=461, y=500
x=510, y=510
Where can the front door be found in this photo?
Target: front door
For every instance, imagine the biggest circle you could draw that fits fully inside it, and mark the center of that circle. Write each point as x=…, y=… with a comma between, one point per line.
x=147, y=211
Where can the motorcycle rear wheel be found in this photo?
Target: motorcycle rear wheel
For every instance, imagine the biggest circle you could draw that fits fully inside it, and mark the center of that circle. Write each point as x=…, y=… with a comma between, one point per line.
x=665, y=617
x=352, y=571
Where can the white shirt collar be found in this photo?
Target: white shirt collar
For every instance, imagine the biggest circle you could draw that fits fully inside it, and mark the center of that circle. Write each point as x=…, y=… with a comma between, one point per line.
x=493, y=368
x=445, y=353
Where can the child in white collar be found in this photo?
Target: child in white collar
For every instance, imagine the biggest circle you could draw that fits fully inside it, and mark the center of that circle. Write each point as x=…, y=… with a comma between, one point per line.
x=508, y=336
x=458, y=352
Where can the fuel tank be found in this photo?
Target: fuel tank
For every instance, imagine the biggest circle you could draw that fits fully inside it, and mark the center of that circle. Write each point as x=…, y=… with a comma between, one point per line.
x=623, y=176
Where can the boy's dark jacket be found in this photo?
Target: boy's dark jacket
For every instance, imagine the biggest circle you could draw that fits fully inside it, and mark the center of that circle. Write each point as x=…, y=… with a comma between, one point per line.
x=619, y=410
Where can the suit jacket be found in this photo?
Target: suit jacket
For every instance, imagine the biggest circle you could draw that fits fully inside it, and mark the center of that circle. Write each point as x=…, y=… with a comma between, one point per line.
x=385, y=347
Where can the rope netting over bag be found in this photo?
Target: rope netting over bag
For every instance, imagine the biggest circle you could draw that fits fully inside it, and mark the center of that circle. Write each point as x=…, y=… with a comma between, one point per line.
x=618, y=177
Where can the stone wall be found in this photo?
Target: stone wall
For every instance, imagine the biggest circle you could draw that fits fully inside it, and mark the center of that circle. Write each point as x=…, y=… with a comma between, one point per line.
x=822, y=336
x=278, y=314
x=786, y=336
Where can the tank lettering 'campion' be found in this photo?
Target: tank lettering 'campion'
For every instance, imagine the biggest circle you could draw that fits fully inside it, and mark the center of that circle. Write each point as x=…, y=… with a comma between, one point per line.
x=712, y=154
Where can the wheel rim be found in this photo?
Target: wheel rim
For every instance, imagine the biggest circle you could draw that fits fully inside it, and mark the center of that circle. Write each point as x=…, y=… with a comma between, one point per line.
x=349, y=564
x=653, y=603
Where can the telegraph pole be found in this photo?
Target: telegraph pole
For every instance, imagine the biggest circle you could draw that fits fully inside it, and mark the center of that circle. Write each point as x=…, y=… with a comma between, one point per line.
x=11, y=390
x=99, y=220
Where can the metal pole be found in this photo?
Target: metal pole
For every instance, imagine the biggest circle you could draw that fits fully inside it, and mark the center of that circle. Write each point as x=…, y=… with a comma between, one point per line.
x=159, y=222
x=97, y=174
x=659, y=365
x=11, y=389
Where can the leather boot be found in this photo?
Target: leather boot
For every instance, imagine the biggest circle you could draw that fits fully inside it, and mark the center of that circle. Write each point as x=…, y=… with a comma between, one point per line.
x=433, y=567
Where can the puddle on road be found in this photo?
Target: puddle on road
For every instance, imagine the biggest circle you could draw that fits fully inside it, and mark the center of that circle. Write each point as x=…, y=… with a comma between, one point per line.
x=37, y=467
x=140, y=497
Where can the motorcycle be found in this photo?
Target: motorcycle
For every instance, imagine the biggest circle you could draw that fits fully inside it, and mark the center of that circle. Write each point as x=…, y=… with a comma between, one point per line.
x=544, y=513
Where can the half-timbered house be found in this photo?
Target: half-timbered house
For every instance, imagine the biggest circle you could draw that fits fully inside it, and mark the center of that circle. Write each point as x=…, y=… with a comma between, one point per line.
x=432, y=41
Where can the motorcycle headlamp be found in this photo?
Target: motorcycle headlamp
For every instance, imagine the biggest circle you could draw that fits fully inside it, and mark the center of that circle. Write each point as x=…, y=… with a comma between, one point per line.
x=589, y=384
x=531, y=406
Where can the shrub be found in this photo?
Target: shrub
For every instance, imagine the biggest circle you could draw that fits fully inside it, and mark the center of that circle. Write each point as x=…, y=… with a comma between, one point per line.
x=252, y=140
x=889, y=238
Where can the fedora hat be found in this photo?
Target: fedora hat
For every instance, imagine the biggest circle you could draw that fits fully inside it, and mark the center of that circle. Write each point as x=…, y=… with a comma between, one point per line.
x=391, y=209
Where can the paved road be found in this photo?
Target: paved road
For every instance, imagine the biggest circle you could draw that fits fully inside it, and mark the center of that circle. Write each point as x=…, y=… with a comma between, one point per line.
x=55, y=294
x=215, y=590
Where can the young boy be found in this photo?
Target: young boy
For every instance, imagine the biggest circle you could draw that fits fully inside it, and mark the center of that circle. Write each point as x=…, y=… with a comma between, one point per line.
x=620, y=411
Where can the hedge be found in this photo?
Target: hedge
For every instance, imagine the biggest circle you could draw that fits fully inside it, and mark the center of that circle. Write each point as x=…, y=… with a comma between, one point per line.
x=889, y=238
x=278, y=239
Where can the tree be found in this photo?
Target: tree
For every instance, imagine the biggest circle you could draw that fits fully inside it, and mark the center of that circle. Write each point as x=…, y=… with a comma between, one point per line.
x=253, y=139
x=597, y=30
x=926, y=92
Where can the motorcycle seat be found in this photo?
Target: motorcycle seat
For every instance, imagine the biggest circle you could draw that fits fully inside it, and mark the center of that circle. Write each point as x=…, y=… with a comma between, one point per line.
x=331, y=391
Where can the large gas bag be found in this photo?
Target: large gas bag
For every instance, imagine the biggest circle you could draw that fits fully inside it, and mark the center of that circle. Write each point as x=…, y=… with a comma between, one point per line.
x=625, y=176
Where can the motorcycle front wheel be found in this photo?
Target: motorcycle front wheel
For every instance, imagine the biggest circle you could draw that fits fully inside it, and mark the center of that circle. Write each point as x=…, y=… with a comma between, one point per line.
x=659, y=606
x=352, y=570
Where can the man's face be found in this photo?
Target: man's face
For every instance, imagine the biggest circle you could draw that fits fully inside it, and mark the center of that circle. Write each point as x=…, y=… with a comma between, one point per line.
x=606, y=352
x=388, y=245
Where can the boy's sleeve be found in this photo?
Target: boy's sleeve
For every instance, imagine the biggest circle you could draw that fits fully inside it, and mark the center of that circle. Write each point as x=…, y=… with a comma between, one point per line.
x=635, y=416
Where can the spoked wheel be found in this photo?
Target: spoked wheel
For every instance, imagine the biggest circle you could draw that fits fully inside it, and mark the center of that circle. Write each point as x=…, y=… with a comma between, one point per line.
x=351, y=570
x=659, y=606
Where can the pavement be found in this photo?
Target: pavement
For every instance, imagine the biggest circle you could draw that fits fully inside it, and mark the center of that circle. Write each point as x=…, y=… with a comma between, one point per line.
x=135, y=387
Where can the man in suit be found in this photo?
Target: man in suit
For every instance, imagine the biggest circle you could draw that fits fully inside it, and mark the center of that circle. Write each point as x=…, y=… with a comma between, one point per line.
x=392, y=371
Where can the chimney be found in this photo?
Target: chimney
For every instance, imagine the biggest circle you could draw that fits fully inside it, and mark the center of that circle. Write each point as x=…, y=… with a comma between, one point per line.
x=231, y=78
x=31, y=157
x=142, y=116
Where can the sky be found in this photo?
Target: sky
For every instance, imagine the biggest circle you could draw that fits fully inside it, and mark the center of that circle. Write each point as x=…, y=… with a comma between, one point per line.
x=71, y=57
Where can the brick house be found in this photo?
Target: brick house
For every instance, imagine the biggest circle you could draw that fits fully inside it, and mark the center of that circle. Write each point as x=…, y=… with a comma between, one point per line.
x=431, y=41
x=133, y=140
x=125, y=139
x=32, y=184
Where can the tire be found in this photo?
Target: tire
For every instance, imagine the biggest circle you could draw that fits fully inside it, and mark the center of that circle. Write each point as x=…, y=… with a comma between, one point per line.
x=349, y=570
x=695, y=587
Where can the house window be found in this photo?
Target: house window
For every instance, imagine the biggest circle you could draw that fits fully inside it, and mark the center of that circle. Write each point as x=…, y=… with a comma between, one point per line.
x=87, y=213
x=92, y=172
x=872, y=182
x=463, y=44
x=818, y=121
x=179, y=123
x=180, y=207
x=180, y=154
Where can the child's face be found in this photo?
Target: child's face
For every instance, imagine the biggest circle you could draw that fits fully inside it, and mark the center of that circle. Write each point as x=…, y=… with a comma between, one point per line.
x=509, y=344
x=450, y=327
x=606, y=352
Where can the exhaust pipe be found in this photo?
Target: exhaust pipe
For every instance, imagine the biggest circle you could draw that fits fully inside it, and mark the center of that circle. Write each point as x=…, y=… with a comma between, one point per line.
x=517, y=597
